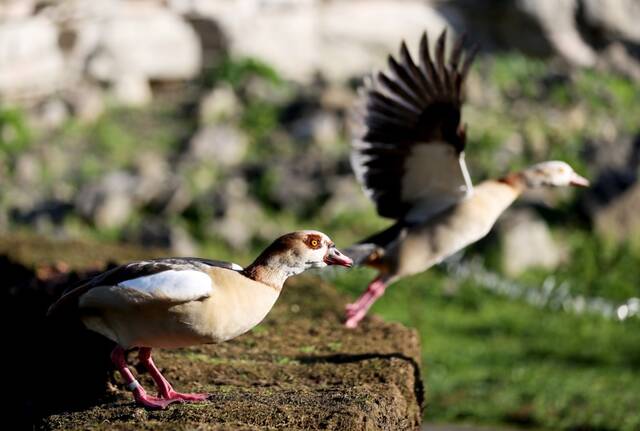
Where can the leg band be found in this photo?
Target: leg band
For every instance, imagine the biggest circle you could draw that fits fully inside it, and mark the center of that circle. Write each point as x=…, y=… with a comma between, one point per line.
x=133, y=385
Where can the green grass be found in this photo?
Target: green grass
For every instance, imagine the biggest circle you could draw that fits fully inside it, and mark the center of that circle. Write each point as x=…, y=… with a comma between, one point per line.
x=596, y=268
x=492, y=360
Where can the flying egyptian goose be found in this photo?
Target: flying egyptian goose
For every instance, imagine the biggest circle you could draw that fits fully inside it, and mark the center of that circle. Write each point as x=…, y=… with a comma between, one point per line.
x=408, y=155
x=178, y=302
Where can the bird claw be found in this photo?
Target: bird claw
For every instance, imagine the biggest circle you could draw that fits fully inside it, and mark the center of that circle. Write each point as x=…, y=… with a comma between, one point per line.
x=188, y=397
x=351, y=323
x=354, y=316
x=155, y=403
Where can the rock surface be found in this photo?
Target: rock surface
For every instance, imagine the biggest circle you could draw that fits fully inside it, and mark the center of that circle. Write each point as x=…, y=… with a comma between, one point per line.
x=619, y=220
x=300, y=369
x=527, y=243
x=46, y=47
x=339, y=39
x=31, y=64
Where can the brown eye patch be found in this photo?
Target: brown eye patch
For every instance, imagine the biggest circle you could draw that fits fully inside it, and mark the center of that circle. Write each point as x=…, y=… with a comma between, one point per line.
x=313, y=241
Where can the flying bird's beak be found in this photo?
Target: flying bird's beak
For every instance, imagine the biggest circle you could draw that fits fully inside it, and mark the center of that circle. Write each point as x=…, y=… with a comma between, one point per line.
x=336, y=257
x=579, y=181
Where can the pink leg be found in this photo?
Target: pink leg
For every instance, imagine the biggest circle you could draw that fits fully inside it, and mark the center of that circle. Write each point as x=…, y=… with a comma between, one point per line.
x=139, y=394
x=165, y=390
x=357, y=310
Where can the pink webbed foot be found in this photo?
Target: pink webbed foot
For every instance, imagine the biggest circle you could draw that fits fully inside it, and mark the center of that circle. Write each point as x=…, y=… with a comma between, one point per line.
x=353, y=321
x=165, y=390
x=351, y=309
x=149, y=401
x=356, y=311
x=178, y=396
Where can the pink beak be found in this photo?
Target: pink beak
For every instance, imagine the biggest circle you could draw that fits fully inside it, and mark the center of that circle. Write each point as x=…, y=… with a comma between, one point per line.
x=579, y=181
x=335, y=257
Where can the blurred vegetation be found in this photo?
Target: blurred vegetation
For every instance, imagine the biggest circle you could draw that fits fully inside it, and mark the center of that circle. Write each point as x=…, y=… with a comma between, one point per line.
x=486, y=358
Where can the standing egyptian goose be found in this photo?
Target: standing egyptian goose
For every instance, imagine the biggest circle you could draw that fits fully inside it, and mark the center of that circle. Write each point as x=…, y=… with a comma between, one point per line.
x=408, y=154
x=178, y=302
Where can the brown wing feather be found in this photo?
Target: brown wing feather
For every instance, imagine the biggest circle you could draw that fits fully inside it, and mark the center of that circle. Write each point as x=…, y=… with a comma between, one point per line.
x=411, y=104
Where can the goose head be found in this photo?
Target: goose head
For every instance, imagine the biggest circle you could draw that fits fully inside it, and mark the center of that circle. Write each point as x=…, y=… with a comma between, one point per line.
x=313, y=249
x=294, y=253
x=553, y=173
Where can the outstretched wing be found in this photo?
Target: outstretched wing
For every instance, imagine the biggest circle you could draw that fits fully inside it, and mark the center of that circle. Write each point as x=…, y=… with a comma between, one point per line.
x=408, y=144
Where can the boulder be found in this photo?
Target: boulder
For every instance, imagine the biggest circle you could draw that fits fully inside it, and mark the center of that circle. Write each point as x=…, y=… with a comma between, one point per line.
x=616, y=20
x=159, y=233
x=620, y=60
x=143, y=39
x=243, y=221
x=557, y=19
x=616, y=163
x=31, y=63
x=527, y=243
x=356, y=36
x=242, y=218
x=339, y=39
x=346, y=197
x=86, y=101
x=537, y=27
x=51, y=113
x=619, y=220
x=109, y=202
x=223, y=145
x=319, y=127
x=131, y=90
x=218, y=105
x=158, y=186
x=12, y=9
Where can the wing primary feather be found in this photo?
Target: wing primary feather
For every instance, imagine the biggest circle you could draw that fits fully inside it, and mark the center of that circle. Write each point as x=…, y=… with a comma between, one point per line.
x=396, y=89
x=415, y=72
x=427, y=65
x=468, y=60
x=440, y=63
x=405, y=80
x=454, y=62
x=380, y=98
x=374, y=117
x=373, y=106
x=456, y=53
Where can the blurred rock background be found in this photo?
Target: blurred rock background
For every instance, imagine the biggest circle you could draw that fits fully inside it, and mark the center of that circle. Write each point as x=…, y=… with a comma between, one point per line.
x=211, y=126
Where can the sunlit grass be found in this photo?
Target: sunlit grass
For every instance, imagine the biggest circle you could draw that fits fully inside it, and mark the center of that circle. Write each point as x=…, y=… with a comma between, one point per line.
x=493, y=360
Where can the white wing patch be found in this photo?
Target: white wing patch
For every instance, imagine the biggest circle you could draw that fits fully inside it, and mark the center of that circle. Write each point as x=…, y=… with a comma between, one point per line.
x=172, y=285
x=236, y=267
x=435, y=178
x=358, y=164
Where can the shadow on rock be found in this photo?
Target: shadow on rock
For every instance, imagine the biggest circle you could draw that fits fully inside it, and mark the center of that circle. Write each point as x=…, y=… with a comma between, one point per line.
x=54, y=364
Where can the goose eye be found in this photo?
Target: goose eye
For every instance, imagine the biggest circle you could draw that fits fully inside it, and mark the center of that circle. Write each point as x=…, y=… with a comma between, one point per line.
x=314, y=243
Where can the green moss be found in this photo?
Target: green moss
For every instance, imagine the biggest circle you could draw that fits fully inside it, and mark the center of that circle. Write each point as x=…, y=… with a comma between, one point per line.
x=283, y=360
x=15, y=137
x=237, y=72
x=334, y=346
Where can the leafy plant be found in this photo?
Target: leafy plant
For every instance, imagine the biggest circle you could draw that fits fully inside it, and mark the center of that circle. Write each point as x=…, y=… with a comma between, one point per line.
x=15, y=135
